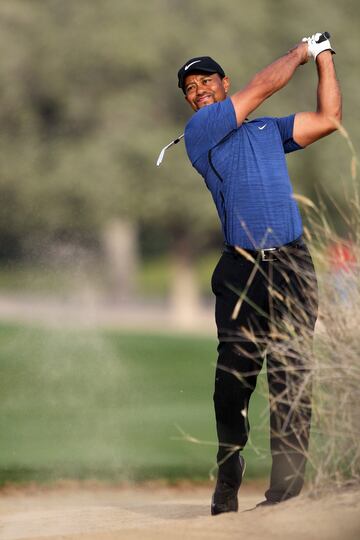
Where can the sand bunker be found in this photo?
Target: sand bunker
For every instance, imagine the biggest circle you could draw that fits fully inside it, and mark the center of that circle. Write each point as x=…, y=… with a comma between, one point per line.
x=152, y=512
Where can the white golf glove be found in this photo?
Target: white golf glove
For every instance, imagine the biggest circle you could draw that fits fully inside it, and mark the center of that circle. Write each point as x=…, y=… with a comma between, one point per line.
x=318, y=43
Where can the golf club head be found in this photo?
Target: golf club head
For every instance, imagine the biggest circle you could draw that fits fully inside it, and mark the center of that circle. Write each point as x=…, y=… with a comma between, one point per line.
x=162, y=153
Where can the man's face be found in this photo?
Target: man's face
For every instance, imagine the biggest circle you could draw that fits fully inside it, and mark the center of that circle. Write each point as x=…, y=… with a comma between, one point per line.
x=203, y=89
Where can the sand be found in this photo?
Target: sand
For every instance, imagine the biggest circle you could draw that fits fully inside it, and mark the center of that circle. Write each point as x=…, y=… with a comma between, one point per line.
x=152, y=511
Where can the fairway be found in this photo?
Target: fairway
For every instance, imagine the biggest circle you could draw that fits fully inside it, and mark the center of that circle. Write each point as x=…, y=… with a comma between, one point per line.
x=109, y=405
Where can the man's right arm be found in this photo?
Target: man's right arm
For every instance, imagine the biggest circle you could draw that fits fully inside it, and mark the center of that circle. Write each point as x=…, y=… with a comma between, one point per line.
x=311, y=126
x=268, y=81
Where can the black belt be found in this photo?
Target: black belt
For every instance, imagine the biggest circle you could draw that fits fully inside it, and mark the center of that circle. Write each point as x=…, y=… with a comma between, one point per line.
x=266, y=254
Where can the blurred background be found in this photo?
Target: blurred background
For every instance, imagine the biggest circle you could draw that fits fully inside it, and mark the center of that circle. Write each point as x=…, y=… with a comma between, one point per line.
x=107, y=339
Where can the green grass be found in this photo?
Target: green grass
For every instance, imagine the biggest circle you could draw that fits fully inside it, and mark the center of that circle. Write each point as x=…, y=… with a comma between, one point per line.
x=106, y=405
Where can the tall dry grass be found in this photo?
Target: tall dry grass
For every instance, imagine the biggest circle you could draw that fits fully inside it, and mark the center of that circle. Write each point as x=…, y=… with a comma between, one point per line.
x=334, y=455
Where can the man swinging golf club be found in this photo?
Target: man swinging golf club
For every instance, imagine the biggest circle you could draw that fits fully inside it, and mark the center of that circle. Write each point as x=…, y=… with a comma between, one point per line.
x=265, y=282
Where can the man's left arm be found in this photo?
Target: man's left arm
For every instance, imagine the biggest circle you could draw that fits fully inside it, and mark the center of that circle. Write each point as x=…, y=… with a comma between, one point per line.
x=311, y=126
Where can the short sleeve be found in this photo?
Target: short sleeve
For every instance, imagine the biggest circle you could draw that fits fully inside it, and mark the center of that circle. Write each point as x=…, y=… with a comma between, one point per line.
x=286, y=126
x=208, y=127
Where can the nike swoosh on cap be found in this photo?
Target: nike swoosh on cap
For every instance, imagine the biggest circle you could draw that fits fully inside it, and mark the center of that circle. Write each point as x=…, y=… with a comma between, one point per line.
x=187, y=67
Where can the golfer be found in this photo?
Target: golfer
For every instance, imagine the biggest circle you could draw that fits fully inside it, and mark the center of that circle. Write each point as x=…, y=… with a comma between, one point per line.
x=265, y=282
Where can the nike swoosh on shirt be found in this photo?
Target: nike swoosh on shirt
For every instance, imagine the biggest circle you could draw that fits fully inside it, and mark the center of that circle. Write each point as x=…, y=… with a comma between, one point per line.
x=195, y=62
x=262, y=127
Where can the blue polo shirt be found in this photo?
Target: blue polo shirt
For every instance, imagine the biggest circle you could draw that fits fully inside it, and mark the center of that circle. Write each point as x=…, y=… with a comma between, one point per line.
x=245, y=170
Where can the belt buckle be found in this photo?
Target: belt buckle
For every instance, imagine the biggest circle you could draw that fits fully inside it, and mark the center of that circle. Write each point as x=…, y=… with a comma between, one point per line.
x=266, y=254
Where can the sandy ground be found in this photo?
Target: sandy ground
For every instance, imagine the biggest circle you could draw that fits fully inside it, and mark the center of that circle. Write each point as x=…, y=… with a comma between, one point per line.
x=153, y=512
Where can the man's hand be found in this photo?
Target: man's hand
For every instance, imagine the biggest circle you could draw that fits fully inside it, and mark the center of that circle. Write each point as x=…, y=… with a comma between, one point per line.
x=317, y=44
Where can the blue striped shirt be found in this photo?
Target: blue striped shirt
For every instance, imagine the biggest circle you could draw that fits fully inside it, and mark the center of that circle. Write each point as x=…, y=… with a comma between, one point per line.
x=246, y=172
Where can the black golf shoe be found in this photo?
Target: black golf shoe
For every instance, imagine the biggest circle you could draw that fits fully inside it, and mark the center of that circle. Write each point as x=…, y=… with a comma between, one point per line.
x=225, y=498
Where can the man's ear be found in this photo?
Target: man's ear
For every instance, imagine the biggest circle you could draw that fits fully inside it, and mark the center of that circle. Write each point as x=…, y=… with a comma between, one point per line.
x=226, y=84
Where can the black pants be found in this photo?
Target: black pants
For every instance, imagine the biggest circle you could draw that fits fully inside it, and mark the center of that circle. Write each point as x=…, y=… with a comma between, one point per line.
x=265, y=309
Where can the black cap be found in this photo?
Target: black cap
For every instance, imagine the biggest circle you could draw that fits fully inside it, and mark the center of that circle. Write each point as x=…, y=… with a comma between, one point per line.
x=199, y=63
